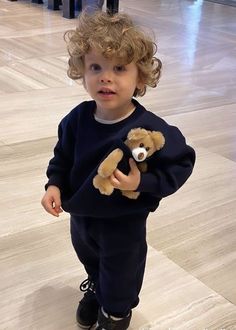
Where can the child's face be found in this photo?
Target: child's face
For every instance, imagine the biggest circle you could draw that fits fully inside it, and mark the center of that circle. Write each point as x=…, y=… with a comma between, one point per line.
x=110, y=84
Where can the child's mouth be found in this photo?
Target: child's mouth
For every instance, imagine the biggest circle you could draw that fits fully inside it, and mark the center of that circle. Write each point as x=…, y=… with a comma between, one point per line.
x=106, y=92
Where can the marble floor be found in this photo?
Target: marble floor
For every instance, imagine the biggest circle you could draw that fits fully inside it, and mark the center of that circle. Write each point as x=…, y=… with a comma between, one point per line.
x=190, y=280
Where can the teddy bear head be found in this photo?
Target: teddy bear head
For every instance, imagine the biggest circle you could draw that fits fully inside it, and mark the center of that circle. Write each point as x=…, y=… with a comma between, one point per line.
x=144, y=143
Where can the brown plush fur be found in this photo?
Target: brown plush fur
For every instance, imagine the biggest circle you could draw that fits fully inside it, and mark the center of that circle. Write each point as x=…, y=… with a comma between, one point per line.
x=137, y=137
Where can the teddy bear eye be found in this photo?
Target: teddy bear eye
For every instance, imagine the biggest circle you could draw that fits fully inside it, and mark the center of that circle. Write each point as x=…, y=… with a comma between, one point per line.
x=141, y=145
x=147, y=148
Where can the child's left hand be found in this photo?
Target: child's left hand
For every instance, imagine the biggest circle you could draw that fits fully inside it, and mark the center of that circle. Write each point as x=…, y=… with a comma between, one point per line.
x=126, y=182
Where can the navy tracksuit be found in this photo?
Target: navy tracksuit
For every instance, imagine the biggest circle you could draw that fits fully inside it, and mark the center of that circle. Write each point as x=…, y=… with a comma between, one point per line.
x=109, y=232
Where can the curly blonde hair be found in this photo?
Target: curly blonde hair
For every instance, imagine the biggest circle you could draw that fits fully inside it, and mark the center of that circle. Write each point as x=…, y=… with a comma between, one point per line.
x=113, y=36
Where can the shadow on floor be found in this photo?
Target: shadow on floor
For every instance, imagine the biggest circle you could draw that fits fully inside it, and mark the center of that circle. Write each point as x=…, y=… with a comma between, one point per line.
x=49, y=308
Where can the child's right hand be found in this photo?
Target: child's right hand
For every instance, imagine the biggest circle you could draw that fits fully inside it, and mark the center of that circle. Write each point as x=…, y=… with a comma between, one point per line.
x=51, y=201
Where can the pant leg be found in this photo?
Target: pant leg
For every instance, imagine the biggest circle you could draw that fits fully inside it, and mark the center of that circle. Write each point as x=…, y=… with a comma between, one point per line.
x=84, y=246
x=123, y=249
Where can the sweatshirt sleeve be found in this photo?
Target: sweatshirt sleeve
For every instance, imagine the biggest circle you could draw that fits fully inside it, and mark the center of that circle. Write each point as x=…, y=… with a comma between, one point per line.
x=170, y=167
x=59, y=166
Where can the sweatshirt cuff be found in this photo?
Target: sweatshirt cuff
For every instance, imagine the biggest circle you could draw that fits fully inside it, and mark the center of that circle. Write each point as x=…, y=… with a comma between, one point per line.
x=54, y=181
x=148, y=183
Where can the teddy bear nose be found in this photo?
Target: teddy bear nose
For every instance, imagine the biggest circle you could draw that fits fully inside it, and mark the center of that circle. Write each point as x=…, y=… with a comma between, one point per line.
x=139, y=154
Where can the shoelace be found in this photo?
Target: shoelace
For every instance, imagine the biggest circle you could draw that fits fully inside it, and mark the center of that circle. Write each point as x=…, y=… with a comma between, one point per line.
x=87, y=285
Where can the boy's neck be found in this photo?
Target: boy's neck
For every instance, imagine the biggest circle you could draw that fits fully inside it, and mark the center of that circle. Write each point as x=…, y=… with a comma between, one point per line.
x=113, y=121
x=116, y=115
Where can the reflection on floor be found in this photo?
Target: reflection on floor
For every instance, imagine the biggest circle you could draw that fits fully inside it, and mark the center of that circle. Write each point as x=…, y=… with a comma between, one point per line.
x=224, y=2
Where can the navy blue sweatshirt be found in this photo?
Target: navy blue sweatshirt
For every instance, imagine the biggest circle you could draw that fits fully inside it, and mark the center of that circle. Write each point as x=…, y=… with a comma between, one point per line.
x=83, y=143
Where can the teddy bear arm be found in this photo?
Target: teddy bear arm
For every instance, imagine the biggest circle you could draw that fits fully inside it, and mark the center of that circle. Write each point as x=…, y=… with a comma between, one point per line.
x=109, y=164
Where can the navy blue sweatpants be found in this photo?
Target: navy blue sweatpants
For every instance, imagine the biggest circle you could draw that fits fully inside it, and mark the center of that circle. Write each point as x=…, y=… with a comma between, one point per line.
x=113, y=252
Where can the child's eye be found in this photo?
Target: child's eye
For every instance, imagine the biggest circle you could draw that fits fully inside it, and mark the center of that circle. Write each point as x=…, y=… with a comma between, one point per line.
x=95, y=67
x=120, y=68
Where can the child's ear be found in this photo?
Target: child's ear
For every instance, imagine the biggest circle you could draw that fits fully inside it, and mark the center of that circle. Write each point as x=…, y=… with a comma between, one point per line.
x=140, y=85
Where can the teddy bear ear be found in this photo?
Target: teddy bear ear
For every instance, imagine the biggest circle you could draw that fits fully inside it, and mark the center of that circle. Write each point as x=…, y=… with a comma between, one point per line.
x=137, y=133
x=158, y=139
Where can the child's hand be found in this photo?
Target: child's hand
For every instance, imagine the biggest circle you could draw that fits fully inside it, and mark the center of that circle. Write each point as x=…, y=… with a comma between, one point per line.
x=126, y=182
x=52, y=201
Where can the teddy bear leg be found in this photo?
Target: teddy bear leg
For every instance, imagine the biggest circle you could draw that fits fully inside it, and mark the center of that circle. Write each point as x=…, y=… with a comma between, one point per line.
x=103, y=184
x=130, y=194
x=142, y=167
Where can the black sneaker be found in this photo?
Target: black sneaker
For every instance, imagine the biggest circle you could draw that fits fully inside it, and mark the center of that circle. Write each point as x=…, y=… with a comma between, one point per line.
x=87, y=311
x=107, y=323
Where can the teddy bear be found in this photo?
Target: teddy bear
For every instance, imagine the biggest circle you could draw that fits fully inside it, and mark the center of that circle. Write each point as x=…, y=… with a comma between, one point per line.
x=142, y=144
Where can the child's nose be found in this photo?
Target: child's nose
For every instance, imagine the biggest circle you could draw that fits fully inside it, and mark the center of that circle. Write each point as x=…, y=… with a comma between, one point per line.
x=105, y=77
x=105, y=80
